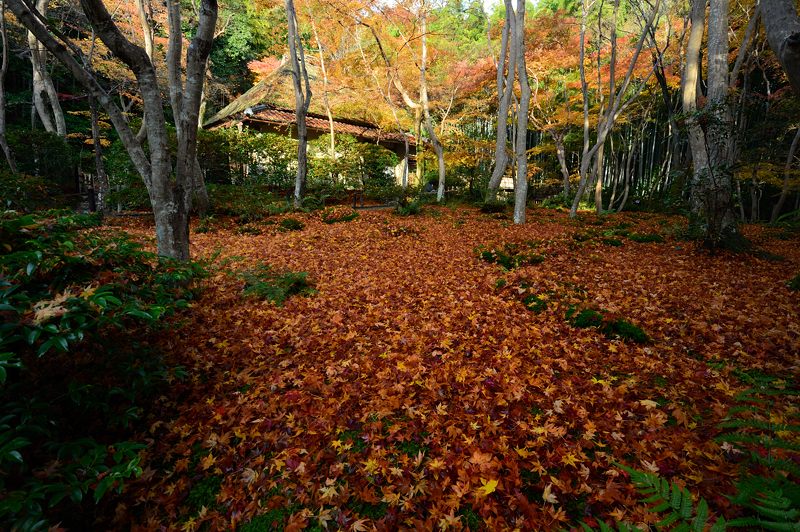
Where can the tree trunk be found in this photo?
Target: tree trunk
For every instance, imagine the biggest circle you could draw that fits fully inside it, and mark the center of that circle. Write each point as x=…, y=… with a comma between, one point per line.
x=787, y=168
x=45, y=97
x=3, y=70
x=325, y=100
x=689, y=85
x=782, y=27
x=100, y=180
x=505, y=87
x=302, y=100
x=520, y=151
x=717, y=183
x=558, y=139
x=618, y=100
x=426, y=108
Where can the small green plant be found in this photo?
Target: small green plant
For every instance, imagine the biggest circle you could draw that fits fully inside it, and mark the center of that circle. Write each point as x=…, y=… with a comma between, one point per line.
x=794, y=283
x=535, y=303
x=204, y=493
x=673, y=501
x=612, y=328
x=332, y=216
x=615, y=242
x=248, y=230
x=410, y=209
x=291, y=224
x=205, y=225
x=510, y=256
x=587, y=318
x=265, y=283
x=643, y=238
x=627, y=331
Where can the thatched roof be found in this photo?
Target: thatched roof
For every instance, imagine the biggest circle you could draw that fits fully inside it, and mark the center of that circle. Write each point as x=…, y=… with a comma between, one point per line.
x=268, y=103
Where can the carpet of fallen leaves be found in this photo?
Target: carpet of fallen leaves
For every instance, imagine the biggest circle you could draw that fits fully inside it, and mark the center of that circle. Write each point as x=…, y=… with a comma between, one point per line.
x=414, y=391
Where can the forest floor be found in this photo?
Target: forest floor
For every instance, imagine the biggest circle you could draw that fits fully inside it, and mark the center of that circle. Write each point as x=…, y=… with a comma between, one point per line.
x=424, y=387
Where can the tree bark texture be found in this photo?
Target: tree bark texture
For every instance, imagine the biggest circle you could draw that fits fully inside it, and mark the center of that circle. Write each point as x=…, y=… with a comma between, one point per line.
x=9, y=156
x=520, y=150
x=302, y=99
x=782, y=27
x=505, y=88
x=426, y=108
x=45, y=97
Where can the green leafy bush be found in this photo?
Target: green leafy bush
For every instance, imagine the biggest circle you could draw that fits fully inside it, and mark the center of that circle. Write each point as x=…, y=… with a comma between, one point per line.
x=266, y=283
x=794, y=283
x=74, y=378
x=23, y=192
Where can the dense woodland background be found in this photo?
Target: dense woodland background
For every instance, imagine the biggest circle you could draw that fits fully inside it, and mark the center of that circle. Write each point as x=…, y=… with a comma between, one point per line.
x=612, y=341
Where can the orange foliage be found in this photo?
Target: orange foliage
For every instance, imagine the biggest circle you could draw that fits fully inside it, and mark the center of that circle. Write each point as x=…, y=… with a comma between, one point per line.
x=411, y=383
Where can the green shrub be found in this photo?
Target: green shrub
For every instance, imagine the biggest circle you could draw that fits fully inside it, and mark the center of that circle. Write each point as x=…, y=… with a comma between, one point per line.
x=265, y=283
x=291, y=224
x=559, y=201
x=74, y=377
x=794, y=283
x=615, y=242
x=21, y=192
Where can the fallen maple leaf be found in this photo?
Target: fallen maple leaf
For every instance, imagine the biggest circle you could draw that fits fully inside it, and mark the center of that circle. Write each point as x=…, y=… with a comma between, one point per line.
x=548, y=496
x=487, y=487
x=207, y=461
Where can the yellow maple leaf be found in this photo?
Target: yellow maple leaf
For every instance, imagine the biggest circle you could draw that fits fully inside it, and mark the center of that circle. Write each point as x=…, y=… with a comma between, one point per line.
x=570, y=459
x=487, y=487
x=370, y=466
x=522, y=452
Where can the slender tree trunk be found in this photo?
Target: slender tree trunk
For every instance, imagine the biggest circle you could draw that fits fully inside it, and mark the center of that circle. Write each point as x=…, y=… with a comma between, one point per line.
x=520, y=151
x=558, y=139
x=9, y=156
x=100, y=180
x=423, y=92
x=787, y=168
x=689, y=85
x=618, y=100
x=325, y=100
x=505, y=88
x=302, y=99
x=45, y=97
